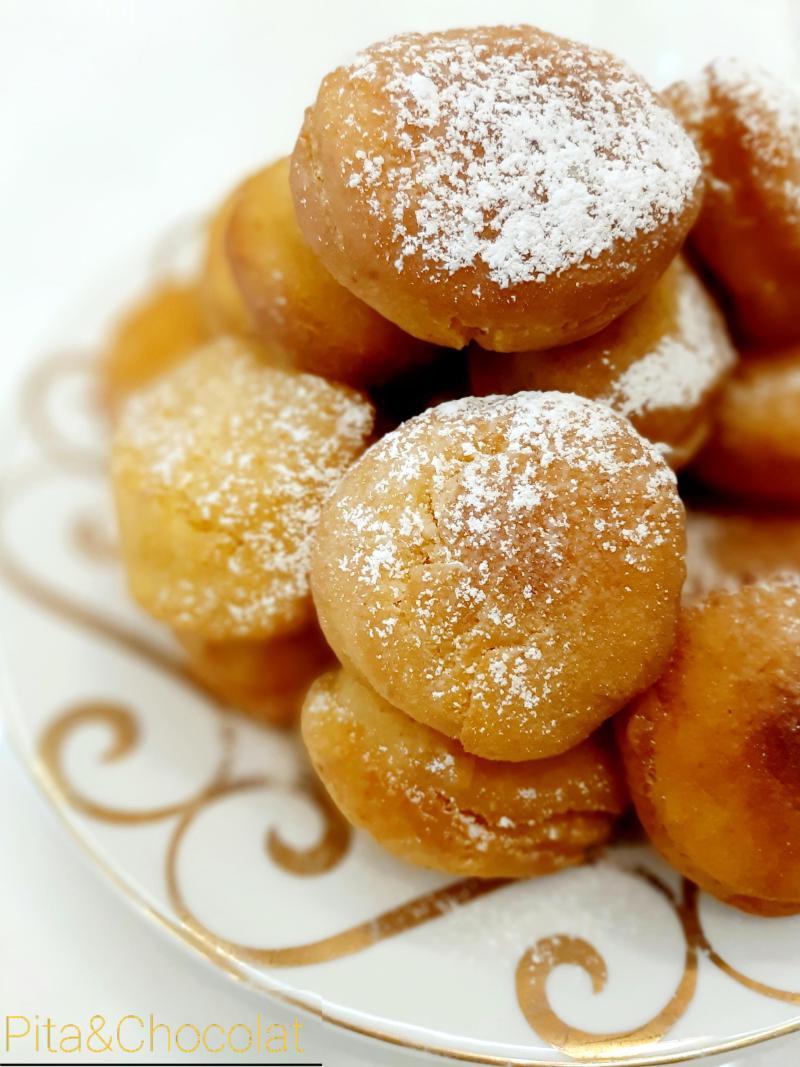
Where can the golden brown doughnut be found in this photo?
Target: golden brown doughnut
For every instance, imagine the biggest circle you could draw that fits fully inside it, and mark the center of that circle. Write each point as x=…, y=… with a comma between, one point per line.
x=223, y=303
x=495, y=184
x=712, y=751
x=425, y=799
x=660, y=364
x=158, y=331
x=219, y=471
x=747, y=128
x=725, y=550
x=296, y=304
x=754, y=449
x=266, y=679
x=505, y=569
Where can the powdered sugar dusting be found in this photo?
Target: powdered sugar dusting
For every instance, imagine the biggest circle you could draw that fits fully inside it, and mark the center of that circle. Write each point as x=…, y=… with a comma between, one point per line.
x=245, y=453
x=476, y=531
x=525, y=154
x=767, y=113
x=765, y=105
x=685, y=366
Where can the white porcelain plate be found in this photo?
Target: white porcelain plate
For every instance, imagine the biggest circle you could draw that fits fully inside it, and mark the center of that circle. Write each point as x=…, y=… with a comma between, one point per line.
x=213, y=827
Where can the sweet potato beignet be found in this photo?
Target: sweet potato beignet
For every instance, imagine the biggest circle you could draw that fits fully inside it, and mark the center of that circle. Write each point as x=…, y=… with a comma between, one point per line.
x=156, y=333
x=495, y=184
x=421, y=796
x=747, y=128
x=219, y=471
x=505, y=569
x=712, y=751
x=754, y=448
x=221, y=298
x=660, y=364
x=266, y=679
x=318, y=325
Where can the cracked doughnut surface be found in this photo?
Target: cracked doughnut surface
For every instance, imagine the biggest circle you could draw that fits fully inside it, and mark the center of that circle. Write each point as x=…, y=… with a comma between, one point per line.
x=496, y=184
x=712, y=751
x=219, y=471
x=420, y=795
x=505, y=569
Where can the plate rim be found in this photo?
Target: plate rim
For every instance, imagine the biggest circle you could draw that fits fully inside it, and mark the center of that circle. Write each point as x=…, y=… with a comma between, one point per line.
x=219, y=961
x=11, y=715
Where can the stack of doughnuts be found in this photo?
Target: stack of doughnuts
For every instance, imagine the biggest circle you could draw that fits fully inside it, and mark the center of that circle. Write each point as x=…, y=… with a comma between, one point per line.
x=402, y=462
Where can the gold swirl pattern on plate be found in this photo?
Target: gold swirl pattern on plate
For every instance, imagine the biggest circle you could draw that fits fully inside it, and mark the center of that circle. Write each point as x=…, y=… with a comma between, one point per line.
x=538, y=963
x=71, y=611
x=332, y=846
x=124, y=729
x=35, y=400
x=64, y=607
x=346, y=942
x=691, y=896
x=322, y=857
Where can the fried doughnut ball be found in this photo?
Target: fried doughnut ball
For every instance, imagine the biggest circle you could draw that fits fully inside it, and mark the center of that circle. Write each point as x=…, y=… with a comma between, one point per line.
x=495, y=184
x=296, y=304
x=265, y=679
x=158, y=331
x=222, y=301
x=726, y=550
x=425, y=799
x=660, y=364
x=747, y=128
x=754, y=450
x=505, y=569
x=219, y=470
x=712, y=751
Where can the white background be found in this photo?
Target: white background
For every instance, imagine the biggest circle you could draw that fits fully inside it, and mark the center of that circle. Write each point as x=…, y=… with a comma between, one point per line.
x=117, y=118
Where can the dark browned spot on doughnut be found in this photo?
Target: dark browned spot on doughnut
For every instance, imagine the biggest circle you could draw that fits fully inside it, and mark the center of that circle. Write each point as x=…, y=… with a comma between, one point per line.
x=777, y=742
